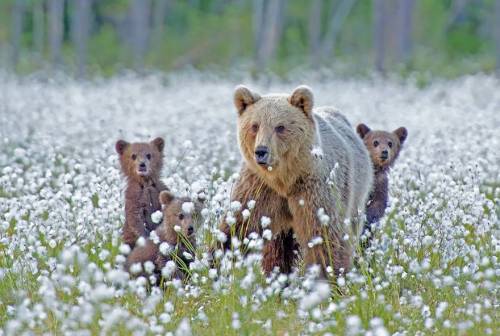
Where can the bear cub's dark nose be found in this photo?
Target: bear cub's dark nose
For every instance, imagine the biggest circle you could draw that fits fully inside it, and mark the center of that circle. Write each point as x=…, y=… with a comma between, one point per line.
x=261, y=155
x=385, y=154
x=190, y=230
x=142, y=165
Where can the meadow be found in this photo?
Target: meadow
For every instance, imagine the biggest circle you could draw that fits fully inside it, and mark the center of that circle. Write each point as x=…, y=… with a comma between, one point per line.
x=433, y=268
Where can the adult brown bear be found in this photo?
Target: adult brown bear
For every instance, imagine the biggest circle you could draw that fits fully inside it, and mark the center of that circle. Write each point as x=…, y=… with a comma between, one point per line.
x=307, y=171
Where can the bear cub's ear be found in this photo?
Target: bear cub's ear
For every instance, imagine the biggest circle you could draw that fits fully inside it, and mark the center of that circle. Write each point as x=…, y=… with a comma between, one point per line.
x=120, y=146
x=166, y=197
x=362, y=130
x=243, y=98
x=159, y=143
x=401, y=133
x=302, y=97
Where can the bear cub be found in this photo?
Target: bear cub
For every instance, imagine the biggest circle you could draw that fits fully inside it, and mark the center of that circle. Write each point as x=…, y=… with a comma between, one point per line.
x=173, y=240
x=141, y=163
x=384, y=148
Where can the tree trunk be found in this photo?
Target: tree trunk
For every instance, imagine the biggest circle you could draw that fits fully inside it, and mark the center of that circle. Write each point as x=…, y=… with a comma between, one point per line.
x=56, y=11
x=337, y=20
x=315, y=30
x=38, y=29
x=140, y=14
x=405, y=16
x=160, y=11
x=17, y=30
x=258, y=25
x=80, y=28
x=497, y=34
x=379, y=36
x=273, y=25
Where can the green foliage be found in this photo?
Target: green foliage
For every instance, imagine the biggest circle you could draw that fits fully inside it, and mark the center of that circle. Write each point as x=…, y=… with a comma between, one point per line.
x=220, y=34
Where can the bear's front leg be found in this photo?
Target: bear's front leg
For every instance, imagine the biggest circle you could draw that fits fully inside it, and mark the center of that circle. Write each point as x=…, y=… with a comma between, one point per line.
x=268, y=203
x=250, y=187
x=321, y=243
x=280, y=252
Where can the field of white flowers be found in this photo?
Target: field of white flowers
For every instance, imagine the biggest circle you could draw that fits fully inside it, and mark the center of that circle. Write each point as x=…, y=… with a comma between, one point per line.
x=433, y=268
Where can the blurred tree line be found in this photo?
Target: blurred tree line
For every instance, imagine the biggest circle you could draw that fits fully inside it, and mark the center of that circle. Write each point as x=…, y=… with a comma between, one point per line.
x=443, y=37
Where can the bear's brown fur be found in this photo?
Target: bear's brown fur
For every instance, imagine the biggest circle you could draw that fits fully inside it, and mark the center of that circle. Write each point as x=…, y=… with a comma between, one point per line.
x=179, y=241
x=141, y=164
x=289, y=153
x=384, y=148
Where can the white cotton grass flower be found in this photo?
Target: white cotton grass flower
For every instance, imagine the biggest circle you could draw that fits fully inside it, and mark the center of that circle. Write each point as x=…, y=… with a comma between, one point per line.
x=318, y=240
x=153, y=236
x=149, y=267
x=157, y=216
x=320, y=293
x=136, y=268
x=184, y=328
x=267, y=234
x=251, y=204
x=169, y=269
x=165, y=248
x=187, y=207
x=177, y=228
x=265, y=222
x=230, y=219
x=221, y=236
x=141, y=241
x=124, y=249
x=187, y=255
x=246, y=214
x=235, y=206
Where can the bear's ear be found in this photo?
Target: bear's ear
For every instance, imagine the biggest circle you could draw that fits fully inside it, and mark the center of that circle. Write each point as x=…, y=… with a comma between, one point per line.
x=401, y=133
x=120, y=146
x=243, y=97
x=362, y=130
x=159, y=143
x=166, y=197
x=302, y=97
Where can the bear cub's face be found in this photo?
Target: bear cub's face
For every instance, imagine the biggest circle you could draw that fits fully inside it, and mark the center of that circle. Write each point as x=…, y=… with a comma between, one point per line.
x=383, y=146
x=273, y=129
x=180, y=216
x=141, y=160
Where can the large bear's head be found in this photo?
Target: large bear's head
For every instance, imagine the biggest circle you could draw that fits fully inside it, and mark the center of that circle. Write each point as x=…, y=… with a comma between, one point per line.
x=275, y=132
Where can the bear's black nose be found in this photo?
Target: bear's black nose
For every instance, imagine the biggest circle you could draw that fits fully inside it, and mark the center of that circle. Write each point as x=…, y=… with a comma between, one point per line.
x=142, y=165
x=261, y=155
x=385, y=154
x=190, y=230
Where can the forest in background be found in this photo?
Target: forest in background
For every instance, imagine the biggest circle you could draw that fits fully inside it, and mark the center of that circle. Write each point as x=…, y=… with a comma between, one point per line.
x=444, y=38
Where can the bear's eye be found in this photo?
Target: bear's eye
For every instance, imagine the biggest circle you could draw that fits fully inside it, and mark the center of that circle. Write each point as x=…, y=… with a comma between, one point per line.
x=390, y=144
x=375, y=143
x=134, y=156
x=279, y=129
x=148, y=156
x=181, y=216
x=255, y=128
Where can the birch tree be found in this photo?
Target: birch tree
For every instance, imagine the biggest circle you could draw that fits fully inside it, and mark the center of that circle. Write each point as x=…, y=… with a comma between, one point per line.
x=17, y=30
x=315, y=30
x=140, y=14
x=497, y=33
x=271, y=16
x=55, y=12
x=379, y=34
x=38, y=28
x=80, y=28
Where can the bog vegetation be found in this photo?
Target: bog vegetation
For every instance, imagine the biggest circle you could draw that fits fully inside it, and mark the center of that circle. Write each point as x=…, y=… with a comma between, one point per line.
x=433, y=267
